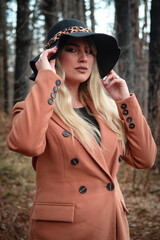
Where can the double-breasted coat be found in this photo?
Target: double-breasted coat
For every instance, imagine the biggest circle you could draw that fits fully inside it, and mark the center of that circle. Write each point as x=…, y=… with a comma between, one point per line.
x=77, y=193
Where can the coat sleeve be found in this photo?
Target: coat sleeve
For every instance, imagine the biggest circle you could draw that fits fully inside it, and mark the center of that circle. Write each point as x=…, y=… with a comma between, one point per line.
x=30, y=118
x=140, y=147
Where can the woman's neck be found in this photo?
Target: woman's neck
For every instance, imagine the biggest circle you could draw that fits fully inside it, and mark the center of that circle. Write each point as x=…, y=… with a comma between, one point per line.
x=73, y=89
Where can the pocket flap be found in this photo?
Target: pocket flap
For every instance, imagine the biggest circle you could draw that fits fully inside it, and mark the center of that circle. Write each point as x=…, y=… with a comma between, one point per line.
x=53, y=212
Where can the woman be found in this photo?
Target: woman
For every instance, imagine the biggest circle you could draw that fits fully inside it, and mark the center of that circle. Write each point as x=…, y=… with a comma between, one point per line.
x=78, y=125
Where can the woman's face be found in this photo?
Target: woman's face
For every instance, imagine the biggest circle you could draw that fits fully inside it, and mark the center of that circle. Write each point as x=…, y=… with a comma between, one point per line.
x=77, y=60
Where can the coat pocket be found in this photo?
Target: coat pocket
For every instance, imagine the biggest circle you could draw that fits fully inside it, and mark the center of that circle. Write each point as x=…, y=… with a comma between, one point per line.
x=53, y=212
x=124, y=207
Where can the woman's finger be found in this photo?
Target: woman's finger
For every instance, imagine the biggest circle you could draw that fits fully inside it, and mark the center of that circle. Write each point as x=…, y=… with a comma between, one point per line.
x=110, y=77
x=115, y=82
x=52, y=63
x=48, y=52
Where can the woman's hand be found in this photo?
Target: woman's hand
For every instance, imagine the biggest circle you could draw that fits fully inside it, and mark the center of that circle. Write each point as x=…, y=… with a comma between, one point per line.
x=44, y=63
x=116, y=86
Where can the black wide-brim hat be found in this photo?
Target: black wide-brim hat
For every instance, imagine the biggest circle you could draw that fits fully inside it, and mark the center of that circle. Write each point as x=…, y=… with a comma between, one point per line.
x=107, y=48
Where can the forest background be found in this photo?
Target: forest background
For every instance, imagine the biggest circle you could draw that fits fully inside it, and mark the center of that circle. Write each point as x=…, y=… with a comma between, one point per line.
x=23, y=27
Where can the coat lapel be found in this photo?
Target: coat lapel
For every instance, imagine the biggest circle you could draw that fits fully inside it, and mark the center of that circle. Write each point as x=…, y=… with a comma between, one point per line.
x=109, y=140
x=98, y=154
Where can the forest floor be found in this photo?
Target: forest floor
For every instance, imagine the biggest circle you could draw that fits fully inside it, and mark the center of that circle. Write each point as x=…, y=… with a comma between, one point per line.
x=141, y=189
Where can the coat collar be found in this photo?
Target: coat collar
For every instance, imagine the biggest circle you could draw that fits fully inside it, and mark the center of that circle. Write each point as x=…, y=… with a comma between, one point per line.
x=108, y=139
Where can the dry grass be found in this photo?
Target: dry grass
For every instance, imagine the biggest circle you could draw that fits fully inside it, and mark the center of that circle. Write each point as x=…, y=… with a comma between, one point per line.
x=142, y=200
x=16, y=189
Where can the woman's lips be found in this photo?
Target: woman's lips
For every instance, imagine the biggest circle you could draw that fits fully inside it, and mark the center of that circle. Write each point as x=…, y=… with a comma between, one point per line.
x=82, y=69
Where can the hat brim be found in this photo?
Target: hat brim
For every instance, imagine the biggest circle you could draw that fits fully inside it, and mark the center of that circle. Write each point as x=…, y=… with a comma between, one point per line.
x=108, y=51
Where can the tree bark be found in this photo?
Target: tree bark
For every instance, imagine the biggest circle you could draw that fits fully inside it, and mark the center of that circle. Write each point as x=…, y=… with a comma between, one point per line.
x=3, y=17
x=81, y=10
x=140, y=58
x=23, y=46
x=154, y=75
x=125, y=39
x=50, y=10
x=67, y=9
x=74, y=9
x=92, y=15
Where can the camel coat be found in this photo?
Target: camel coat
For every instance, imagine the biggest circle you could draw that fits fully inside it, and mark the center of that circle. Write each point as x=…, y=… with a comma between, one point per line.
x=77, y=193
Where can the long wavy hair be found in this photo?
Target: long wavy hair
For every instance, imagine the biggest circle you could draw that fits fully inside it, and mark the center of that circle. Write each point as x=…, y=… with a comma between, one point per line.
x=103, y=103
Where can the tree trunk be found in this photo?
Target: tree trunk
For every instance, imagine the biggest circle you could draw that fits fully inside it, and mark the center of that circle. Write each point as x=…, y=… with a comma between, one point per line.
x=67, y=9
x=74, y=9
x=154, y=75
x=125, y=39
x=81, y=10
x=50, y=10
x=140, y=58
x=4, y=56
x=23, y=46
x=92, y=15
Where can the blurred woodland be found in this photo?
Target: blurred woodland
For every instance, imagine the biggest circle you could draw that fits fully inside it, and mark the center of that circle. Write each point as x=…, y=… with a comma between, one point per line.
x=23, y=27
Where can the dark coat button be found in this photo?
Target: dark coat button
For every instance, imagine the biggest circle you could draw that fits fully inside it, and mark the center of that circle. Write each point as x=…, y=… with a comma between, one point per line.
x=123, y=106
x=129, y=119
x=82, y=189
x=58, y=82
x=74, y=161
x=55, y=89
x=53, y=95
x=120, y=158
x=50, y=101
x=131, y=125
x=110, y=186
x=65, y=133
x=125, y=112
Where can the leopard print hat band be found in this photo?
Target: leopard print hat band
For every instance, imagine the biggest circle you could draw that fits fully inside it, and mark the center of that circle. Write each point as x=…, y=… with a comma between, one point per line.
x=66, y=31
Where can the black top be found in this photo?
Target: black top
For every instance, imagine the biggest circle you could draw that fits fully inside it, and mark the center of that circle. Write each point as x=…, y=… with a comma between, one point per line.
x=82, y=112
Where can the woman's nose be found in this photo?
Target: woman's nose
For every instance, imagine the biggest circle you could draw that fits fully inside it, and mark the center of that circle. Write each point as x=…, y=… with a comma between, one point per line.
x=82, y=56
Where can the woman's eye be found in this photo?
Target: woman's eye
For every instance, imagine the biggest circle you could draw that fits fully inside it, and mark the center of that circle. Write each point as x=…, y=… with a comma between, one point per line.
x=71, y=50
x=89, y=51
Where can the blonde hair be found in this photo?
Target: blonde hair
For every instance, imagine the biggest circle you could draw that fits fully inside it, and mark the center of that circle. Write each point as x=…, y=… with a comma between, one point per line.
x=103, y=103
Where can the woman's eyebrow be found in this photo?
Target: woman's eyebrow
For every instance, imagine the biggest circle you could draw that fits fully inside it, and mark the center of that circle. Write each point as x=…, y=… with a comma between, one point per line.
x=72, y=44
